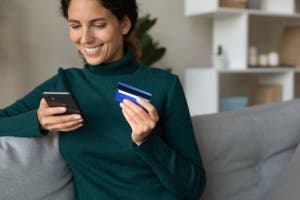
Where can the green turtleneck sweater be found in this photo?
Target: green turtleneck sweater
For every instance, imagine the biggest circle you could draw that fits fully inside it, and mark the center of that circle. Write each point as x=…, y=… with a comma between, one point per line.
x=105, y=163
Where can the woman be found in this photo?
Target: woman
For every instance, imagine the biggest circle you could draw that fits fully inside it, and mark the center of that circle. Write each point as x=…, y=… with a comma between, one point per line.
x=115, y=151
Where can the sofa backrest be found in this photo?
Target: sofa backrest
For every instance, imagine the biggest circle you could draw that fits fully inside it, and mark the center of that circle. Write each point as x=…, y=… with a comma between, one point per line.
x=244, y=151
x=33, y=169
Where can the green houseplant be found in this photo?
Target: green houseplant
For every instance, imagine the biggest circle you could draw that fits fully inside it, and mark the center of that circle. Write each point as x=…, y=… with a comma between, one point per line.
x=151, y=50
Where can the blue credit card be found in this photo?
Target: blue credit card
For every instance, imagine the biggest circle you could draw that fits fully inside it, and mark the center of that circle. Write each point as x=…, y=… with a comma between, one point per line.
x=131, y=93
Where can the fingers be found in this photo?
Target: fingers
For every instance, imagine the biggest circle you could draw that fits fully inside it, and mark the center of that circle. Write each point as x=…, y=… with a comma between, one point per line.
x=47, y=111
x=138, y=113
x=140, y=121
x=135, y=111
x=61, y=119
x=150, y=108
x=66, y=126
x=61, y=123
x=128, y=117
x=50, y=119
x=43, y=103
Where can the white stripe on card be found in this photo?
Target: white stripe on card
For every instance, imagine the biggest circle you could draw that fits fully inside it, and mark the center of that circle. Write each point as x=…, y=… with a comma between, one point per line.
x=131, y=95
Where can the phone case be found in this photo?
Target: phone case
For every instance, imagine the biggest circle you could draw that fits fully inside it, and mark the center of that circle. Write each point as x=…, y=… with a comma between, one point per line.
x=62, y=99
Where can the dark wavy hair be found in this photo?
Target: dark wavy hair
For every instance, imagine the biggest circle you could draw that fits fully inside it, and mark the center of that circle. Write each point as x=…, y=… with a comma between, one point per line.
x=120, y=9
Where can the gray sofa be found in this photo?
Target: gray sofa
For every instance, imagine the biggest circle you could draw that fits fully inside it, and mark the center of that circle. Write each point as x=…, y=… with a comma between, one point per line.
x=33, y=169
x=244, y=153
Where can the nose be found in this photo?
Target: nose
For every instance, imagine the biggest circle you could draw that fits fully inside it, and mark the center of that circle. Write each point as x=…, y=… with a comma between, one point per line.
x=87, y=36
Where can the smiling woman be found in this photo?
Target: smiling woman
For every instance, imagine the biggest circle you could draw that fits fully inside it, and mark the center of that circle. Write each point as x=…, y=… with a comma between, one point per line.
x=99, y=35
x=102, y=31
x=135, y=149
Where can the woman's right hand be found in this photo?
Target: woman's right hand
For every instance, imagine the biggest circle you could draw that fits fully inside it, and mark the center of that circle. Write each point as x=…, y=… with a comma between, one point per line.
x=50, y=120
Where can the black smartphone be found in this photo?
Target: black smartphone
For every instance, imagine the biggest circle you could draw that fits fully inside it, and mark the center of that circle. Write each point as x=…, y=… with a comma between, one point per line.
x=62, y=99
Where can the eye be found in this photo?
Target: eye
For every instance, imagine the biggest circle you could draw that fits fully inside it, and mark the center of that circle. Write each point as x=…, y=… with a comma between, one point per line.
x=100, y=25
x=75, y=26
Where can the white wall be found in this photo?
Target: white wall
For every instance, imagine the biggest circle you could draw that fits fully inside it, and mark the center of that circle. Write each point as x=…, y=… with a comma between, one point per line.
x=34, y=42
x=13, y=51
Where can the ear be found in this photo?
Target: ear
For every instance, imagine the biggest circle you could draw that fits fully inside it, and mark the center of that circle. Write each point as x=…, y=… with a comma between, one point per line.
x=125, y=25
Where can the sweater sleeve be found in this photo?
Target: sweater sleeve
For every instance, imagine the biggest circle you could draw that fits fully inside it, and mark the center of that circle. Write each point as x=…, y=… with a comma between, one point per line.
x=173, y=155
x=20, y=119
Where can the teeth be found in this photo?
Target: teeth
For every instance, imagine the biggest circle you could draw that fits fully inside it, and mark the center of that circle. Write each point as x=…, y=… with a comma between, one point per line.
x=91, y=49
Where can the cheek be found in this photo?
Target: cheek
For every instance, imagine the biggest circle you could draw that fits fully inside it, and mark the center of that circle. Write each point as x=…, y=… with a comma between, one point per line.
x=110, y=34
x=116, y=39
x=103, y=35
x=74, y=37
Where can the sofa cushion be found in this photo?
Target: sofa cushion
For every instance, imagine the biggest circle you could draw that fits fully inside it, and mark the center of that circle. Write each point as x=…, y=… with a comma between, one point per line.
x=244, y=151
x=33, y=169
x=287, y=187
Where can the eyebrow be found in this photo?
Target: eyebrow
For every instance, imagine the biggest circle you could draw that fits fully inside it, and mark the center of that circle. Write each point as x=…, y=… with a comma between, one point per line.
x=94, y=20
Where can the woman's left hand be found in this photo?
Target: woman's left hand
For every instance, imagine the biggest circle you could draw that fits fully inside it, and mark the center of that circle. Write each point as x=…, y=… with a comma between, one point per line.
x=141, y=122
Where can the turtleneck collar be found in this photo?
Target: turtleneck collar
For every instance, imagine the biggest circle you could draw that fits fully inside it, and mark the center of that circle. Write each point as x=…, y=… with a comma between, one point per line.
x=125, y=64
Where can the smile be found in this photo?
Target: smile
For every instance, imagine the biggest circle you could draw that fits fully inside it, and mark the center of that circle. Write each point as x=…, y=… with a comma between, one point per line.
x=92, y=50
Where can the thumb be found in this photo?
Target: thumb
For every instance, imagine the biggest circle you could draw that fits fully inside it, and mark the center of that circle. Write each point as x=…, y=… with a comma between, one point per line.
x=43, y=103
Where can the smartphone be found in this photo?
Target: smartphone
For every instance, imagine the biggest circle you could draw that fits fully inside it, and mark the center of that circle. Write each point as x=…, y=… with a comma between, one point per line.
x=62, y=99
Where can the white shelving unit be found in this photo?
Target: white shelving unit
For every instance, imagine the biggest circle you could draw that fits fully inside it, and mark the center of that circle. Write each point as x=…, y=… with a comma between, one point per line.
x=235, y=30
x=205, y=86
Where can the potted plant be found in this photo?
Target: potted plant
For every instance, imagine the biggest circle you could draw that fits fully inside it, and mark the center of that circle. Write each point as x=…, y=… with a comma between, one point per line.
x=151, y=50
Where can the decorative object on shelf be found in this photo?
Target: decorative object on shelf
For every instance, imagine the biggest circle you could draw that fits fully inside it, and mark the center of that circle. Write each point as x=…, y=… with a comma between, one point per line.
x=151, y=50
x=270, y=59
x=265, y=93
x=277, y=6
x=232, y=103
x=252, y=56
x=273, y=59
x=233, y=3
x=219, y=59
x=263, y=60
x=290, y=46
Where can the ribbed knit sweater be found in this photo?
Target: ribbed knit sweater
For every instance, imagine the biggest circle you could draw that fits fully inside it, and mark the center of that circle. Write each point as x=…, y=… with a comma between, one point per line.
x=105, y=163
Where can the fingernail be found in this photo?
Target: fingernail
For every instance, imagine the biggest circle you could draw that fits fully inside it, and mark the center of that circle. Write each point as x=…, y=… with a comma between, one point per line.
x=121, y=105
x=63, y=109
x=77, y=117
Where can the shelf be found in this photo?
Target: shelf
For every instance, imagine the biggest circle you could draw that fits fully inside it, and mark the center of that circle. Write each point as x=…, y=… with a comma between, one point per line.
x=250, y=12
x=296, y=70
x=236, y=30
x=211, y=7
x=267, y=70
x=257, y=70
x=273, y=14
x=206, y=86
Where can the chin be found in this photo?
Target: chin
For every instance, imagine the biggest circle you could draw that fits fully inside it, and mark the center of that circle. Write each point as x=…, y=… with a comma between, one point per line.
x=93, y=61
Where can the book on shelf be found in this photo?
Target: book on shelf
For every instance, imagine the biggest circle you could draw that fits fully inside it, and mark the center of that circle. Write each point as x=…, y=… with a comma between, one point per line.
x=290, y=46
x=233, y=3
x=263, y=93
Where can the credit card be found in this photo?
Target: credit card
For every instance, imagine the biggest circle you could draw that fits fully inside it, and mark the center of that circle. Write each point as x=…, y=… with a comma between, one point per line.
x=131, y=93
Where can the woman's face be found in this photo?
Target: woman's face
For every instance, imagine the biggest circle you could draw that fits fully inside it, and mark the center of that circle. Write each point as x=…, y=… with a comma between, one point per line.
x=96, y=32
